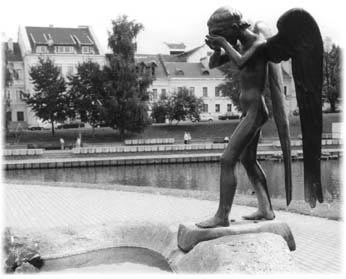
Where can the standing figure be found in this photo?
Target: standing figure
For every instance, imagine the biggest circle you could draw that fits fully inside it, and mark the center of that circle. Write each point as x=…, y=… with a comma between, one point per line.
x=226, y=30
x=186, y=138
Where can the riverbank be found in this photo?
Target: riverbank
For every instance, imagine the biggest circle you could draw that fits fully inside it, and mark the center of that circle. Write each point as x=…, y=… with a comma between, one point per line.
x=200, y=132
x=330, y=210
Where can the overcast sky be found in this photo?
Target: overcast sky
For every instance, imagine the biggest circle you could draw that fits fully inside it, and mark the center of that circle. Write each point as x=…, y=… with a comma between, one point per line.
x=164, y=21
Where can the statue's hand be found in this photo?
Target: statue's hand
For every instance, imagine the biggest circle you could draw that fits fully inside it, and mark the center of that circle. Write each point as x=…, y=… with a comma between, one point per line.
x=212, y=46
x=217, y=41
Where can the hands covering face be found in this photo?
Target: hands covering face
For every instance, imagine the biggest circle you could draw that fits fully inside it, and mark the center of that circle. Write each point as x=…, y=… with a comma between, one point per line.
x=215, y=42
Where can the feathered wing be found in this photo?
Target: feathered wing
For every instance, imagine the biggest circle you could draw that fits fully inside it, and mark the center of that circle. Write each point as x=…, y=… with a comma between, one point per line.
x=299, y=38
x=275, y=80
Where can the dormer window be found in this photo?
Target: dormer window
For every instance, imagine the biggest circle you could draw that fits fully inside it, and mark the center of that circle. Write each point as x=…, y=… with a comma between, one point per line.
x=87, y=50
x=41, y=49
x=179, y=72
x=64, y=49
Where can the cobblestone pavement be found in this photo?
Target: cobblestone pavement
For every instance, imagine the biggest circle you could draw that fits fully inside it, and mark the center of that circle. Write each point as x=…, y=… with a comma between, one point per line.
x=33, y=207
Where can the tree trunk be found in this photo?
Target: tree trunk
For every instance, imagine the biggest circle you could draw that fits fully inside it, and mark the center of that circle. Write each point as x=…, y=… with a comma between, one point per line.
x=52, y=122
x=332, y=105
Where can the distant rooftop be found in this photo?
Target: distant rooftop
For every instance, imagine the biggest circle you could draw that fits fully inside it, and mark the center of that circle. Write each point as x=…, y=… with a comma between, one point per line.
x=60, y=35
x=12, y=56
x=180, y=46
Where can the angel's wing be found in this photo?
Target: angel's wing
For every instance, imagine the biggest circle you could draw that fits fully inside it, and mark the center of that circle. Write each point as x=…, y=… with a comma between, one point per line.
x=275, y=81
x=299, y=38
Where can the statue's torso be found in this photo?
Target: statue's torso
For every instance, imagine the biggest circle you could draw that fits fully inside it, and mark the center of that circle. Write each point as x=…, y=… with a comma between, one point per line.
x=252, y=81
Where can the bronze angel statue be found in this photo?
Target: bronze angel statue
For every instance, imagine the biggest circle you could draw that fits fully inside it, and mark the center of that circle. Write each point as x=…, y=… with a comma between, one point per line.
x=256, y=53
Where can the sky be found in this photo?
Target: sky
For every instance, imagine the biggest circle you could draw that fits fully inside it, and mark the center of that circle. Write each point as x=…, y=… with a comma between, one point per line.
x=164, y=21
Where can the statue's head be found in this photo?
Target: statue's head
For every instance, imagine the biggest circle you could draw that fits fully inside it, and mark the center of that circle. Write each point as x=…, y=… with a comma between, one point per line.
x=227, y=22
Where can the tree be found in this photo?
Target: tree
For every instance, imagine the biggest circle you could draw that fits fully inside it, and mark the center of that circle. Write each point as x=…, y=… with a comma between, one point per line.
x=182, y=105
x=50, y=101
x=125, y=103
x=331, y=74
x=86, y=92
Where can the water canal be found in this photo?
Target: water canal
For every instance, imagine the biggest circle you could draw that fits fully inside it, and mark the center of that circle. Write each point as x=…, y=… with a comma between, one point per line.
x=192, y=176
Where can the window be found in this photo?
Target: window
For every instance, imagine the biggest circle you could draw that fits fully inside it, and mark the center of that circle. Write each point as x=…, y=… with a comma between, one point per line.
x=20, y=116
x=87, y=49
x=163, y=94
x=70, y=70
x=41, y=49
x=229, y=107
x=59, y=66
x=18, y=95
x=205, y=108
x=192, y=91
x=218, y=92
x=285, y=90
x=21, y=95
x=64, y=49
x=217, y=108
x=180, y=89
x=154, y=94
x=9, y=115
x=205, y=91
x=18, y=74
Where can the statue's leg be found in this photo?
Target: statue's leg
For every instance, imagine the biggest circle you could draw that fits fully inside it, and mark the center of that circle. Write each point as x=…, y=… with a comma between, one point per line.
x=258, y=181
x=240, y=138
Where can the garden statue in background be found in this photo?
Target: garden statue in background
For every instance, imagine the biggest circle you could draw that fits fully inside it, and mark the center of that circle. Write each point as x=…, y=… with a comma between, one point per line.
x=298, y=38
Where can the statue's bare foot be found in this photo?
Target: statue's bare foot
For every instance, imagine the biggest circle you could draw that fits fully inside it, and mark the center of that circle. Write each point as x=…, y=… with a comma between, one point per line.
x=213, y=223
x=259, y=215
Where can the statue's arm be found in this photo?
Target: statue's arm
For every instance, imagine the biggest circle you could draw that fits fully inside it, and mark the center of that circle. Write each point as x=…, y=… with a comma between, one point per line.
x=217, y=59
x=241, y=59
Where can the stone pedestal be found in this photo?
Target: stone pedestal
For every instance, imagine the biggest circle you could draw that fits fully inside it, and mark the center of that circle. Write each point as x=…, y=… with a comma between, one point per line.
x=259, y=253
x=190, y=235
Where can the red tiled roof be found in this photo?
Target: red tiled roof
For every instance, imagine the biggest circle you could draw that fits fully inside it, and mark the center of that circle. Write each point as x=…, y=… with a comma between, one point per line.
x=59, y=35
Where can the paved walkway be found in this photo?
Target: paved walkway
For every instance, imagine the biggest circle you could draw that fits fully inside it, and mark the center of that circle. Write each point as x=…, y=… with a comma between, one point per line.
x=30, y=207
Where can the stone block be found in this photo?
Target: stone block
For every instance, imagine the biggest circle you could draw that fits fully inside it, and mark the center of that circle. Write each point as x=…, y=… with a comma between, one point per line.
x=190, y=235
x=251, y=253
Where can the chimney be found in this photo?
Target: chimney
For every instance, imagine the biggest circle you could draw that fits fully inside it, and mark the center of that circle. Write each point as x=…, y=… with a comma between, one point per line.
x=10, y=45
x=51, y=26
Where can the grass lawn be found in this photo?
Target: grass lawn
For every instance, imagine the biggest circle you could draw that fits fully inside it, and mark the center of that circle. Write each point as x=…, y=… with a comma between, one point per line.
x=199, y=132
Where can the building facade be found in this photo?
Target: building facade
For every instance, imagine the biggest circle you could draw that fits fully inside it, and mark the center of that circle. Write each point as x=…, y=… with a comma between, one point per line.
x=189, y=69
x=67, y=47
x=16, y=111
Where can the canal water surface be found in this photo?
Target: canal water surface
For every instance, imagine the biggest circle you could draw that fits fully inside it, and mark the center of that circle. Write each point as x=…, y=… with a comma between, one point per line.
x=193, y=176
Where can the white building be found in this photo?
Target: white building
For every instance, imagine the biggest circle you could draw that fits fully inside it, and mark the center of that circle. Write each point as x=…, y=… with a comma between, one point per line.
x=189, y=69
x=67, y=47
x=16, y=112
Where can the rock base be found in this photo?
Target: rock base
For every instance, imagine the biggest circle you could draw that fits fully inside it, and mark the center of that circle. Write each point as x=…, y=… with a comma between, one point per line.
x=259, y=253
x=191, y=235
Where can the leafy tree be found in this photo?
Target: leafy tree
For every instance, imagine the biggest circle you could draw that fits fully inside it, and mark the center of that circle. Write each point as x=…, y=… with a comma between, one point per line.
x=331, y=75
x=50, y=101
x=125, y=103
x=182, y=105
x=86, y=92
x=159, y=112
